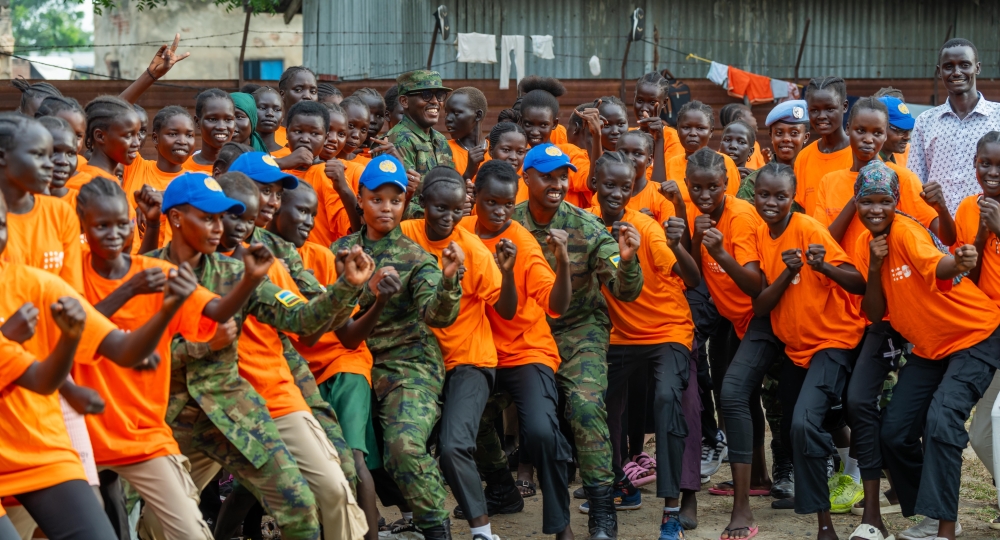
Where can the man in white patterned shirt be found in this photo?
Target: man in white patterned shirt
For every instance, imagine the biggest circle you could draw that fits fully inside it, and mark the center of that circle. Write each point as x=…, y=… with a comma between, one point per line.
x=943, y=144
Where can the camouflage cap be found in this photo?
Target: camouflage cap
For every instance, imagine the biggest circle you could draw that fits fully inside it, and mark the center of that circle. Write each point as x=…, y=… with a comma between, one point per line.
x=419, y=79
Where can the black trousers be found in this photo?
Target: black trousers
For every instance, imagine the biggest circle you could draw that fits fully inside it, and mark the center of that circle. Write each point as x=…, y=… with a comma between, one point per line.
x=807, y=396
x=932, y=401
x=670, y=363
x=68, y=511
x=466, y=389
x=881, y=349
x=114, y=502
x=740, y=400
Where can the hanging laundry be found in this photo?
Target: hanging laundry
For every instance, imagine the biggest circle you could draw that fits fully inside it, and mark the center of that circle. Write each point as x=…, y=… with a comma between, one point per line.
x=719, y=74
x=477, y=48
x=793, y=91
x=595, y=66
x=753, y=87
x=779, y=89
x=541, y=46
x=508, y=44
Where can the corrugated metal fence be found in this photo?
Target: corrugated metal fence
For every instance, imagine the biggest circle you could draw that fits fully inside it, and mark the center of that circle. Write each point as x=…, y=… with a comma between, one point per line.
x=378, y=39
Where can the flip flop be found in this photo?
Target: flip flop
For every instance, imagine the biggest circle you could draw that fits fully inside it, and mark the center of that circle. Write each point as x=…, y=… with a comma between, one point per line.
x=529, y=487
x=730, y=491
x=868, y=532
x=751, y=532
x=995, y=523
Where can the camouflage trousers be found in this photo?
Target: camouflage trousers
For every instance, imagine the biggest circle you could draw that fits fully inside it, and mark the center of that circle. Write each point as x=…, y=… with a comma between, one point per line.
x=582, y=379
x=277, y=484
x=407, y=415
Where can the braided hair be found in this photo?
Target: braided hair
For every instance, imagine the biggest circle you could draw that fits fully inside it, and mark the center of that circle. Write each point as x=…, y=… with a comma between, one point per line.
x=500, y=129
x=99, y=188
x=53, y=105
x=12, y=126
x=325, y=90
x=442, y=177
x=228, y=154
x=496, y=170
x=646, y=138
x=833, y=84
x=101, y=112
x=614, y=158
x=868, y=104
x=291, y=72
x=31, y=91
x=167, y=113
x=695, y=105
x=211, y=93
x=779, y=170
x=706, y=159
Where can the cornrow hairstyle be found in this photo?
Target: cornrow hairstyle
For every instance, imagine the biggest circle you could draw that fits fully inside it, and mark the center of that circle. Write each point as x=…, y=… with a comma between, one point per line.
x=97, y=189
x=54, y=123
x=575, y=120
x=101, y=112
x=263, y=90
x=497, y=171
x=138, y=109
x=369, y=93
x=442, y=177
x=653, y=78
x=614, y=100
x=334, y=107
x=356, y=101
x=509, y=115
x=53, y=105
x=476, y=98
x=646, y=138
x=779, y=170
x=614, y=157
x=499, y=130
x=391, y=96
x=309, y=108
x=167, y=113
x=695, y=105
x=236, y=182
x=228, y=154
x=325, y=90
x=731, y=112
x=249, y=88
x=12, y=125
x=540, y=99
x=31, y=91
x=891, y=92
x=211, y=93
x=959, y=42
x=291, y=72
x=991, y=137
x=868, y=104
x=752, y=135
x=834, y=84
x=706, y=159
x=535, y=82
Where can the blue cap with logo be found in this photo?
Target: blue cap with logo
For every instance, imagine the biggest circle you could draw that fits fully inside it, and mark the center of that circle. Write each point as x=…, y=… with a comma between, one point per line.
x=899, y=114
x=546, y=158
x=788, y=112
x=382, y=170
x=200, y=191
x=261, y=167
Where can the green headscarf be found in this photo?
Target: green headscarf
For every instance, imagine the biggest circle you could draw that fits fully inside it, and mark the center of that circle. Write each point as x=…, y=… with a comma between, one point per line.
x=247, y=104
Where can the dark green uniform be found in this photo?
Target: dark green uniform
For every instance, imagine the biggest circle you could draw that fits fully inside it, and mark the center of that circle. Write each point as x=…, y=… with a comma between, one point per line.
x=408, y=370
x=583, y=333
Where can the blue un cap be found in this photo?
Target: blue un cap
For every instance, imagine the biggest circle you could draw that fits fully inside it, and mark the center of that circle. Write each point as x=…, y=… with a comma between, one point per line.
x=384, y=169
x=261, y=167
x=200, y=191
x=899, y=114
x=788, y=112
x=546, y=158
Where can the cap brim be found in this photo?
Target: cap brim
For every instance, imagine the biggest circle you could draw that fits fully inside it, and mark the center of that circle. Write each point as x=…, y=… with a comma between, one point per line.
x=906, y=123
x=276, y=175
x=789, y=122
x=546, y=169
x=377, y=184
x=220, y=205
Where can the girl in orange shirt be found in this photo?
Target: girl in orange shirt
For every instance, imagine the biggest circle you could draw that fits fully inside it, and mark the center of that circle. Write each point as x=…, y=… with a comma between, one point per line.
x=358, y=118
x=956, y=347
x=978, y=218
x=644, y=151
x=695, y=124
x=812, y=315
x=376, y=106
x=63, y=157
x=539, y=117
x=650, y=100
x=112, y=137
x=738, y=141
x=269, y=116
x=509, y=143
x=215, y=116
x=732, y=112
x=464, y=111
x=297, y=83
x=826, y=104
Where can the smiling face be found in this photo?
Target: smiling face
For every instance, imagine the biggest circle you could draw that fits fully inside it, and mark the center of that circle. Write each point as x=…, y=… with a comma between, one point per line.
x=28, y=166
x=613, y=185
x=694, y=130
x=460, y=117
x=896, y=140
x=269, y=203
x=443, y=205
x=773, y=196
x=511, y=147
x=335, y=138
x=236, y=228
x=494, y=205
x=424, y=112
x=357, y=127
x=175, y=140
x=296, y=217
x=867, y=134
x=64, y=157
x=616, y=125
x=876, y=212
x=988, y=169
x=635, y=148
x=826, y=111
x=269, y=112
x=217, y=122
x=106, y=224
x=788, y=140
x=736, y=143
x=381, y=208
x=300, y=87
x=200, y=230
x=547, y=190
x=121, y=141
x=306, y=132
x=538, y=123
x=707, y=188
x=958, y=67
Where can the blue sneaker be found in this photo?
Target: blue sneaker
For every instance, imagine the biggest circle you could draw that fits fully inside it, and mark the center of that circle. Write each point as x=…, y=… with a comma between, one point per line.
x=671, y=528
x=626, y=497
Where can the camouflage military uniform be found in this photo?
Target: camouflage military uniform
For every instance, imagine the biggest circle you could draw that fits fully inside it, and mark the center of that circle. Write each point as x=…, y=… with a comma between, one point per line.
x=583, y=332
x=408, y=370
x=215, y=412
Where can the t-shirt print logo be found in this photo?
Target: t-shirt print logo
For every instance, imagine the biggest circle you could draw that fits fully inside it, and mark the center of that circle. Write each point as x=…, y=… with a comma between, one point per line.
x=901, y=272
x=715, y=268
x=52, y=260
x=796, y=279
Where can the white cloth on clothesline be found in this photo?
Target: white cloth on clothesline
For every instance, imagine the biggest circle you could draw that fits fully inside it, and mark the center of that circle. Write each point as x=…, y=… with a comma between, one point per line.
x=508, y=44
x=719, y=74
x=541, y=46
x=779, y=88
x=477, y=48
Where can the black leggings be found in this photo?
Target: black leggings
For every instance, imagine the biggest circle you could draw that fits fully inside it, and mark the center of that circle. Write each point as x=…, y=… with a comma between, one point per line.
x=68, y=511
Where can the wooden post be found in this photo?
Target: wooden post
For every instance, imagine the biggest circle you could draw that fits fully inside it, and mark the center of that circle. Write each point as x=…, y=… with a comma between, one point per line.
x=802, y=47
x=656, y=48
x=934, y=98
x=621, y=88
x=434, y=39
x=243, y=46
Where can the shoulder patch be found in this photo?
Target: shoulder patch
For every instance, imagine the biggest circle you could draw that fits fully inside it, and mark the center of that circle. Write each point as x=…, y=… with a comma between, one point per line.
x=615, y=259
x=288, y=298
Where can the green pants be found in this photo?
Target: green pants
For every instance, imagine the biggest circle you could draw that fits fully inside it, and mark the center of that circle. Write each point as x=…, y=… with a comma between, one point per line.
x=407, y=415
x=582, y=380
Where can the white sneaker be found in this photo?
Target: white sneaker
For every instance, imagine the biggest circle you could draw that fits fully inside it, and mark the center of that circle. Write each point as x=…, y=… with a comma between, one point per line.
x=483, y=537
x=926, y=530
x=712, y=456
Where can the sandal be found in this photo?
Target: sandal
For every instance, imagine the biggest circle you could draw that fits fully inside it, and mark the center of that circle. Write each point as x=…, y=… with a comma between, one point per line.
x=995, y=524
x=751, y=532
x=726, y=489
x=885, y=507
x=638, y=475
x=869, y=532
x=645, y=461
x=526, y=488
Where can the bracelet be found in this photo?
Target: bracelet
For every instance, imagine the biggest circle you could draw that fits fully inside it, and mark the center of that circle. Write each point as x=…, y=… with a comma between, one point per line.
x=150, y=73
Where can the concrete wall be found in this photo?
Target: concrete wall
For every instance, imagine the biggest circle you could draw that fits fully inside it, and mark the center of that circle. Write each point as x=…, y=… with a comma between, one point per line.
x=211, y=34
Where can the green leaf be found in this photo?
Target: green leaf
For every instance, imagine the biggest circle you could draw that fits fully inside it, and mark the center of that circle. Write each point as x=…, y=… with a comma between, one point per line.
x=47, y=25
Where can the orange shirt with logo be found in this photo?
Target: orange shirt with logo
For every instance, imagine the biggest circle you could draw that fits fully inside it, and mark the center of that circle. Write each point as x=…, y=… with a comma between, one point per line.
x=936, y=316
x=331, y=219
x=967, y=226
x=811, y=166
x=660, y=314
x=329, y=356
x=814, y=313
x=738, y=224
x=527, y=338
x=262, y=358
x=677, y=171
x=650, y=199
x=469, y=340
x=132, y=428
x=35, y=449
x=47, y=237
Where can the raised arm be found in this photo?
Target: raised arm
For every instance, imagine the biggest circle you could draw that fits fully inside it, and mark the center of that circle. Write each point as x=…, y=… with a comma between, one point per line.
x=165, y=58
x=768, y=299
x=845, y=274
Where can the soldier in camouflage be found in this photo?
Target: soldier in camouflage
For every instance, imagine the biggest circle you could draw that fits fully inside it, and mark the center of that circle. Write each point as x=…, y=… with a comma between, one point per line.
x=583, y=332
x=408, y=370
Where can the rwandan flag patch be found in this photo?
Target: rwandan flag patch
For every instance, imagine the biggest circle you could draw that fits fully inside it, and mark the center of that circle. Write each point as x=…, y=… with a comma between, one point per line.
x=289, y=299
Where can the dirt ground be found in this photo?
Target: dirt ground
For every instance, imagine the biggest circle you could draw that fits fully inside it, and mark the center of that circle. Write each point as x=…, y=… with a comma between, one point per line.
x=978, y=507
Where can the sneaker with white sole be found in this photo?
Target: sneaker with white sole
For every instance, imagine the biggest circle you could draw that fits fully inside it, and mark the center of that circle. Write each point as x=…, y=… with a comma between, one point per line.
x=926, y=530
x=712, y=456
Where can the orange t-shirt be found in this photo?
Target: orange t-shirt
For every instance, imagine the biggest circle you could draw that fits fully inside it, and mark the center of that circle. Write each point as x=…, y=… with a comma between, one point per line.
x=70, y=198
x=85, y=174
x=967, y=226
x=281, y=152
x=469, y=340
x=193, y=166
x=677, y=171
x=47, y=237
x=35, y=449
x=814, y=313
x=579, y=193
x=281, y=136
x=132, y=428
x=359, y=159
x=331, y=219
x=672, y=147
x=527, y=338
x=262, y=357
x=461, y=156
x=756, y=159
x=650, y=199
x=143, y=172
x=939, y=318
x=329, y=356
x=558, y=135
x=660, y=314
x=738, y=225
x=811, y=166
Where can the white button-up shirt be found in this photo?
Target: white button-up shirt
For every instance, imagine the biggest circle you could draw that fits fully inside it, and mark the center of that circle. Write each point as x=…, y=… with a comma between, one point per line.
x=943, y=147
